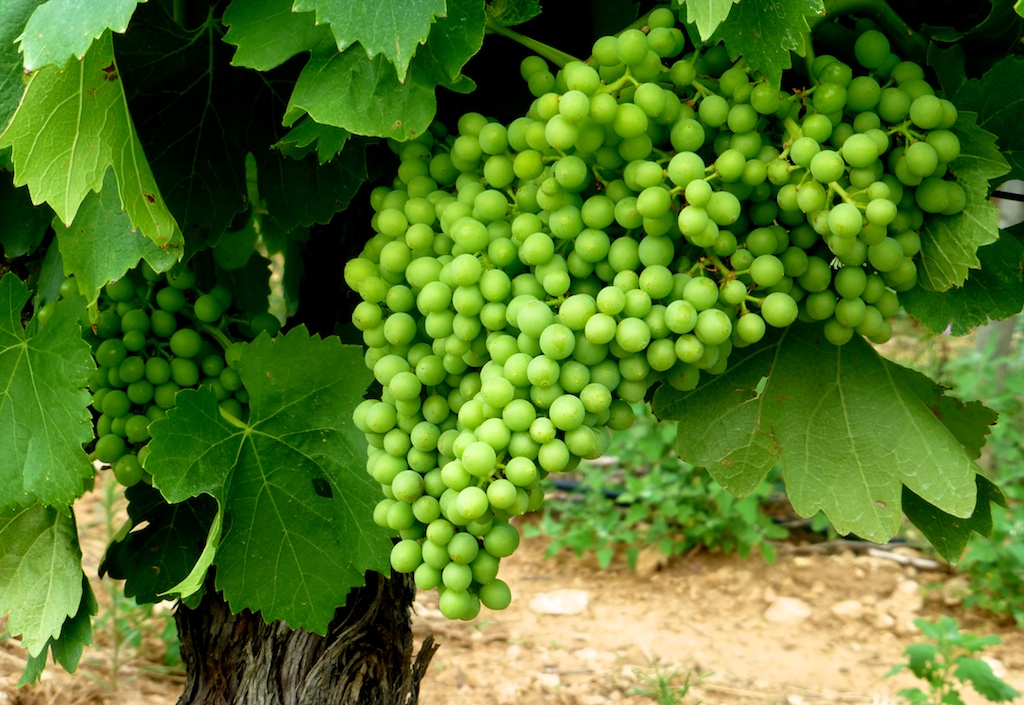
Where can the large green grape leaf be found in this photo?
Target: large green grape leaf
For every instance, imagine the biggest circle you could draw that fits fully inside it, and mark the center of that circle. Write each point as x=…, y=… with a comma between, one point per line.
x=269, y=32
x=997, y=99
x=22, y=225
x=765, y=32
x=348, y=89
x=949, y=244
x=61, y=29
x=13, y=16
x=40, y=572
x=75, y=634
x=72, y=125
x=163, y=543
x=707, y=15
x=290, y=481
x=101, y=245
x=992, y=292
x=391, y=28
x=849, y=428
x=44, y=405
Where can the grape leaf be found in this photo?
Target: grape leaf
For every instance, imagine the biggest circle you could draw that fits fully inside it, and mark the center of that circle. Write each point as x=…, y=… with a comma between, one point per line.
x=997, y=99
x=308, y=135
x=849, y=428
x=75, y=634
x=304, y=191
x=22, y=225
x=269, y=32
x=391, y=28
x=993, y=292
x=949, y=244
x=61, y=29
x=287, y=550
x=948, y=534
x=707, y=15
x=82, y=110
x=765, y=33
x=40, y=572
x=164, y=542
x=101, y=245
x=363, y=94
x=44, y=406
x=13, y=16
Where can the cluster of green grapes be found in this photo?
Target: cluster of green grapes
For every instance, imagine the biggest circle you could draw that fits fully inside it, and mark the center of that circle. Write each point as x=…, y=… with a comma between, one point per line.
x=526, y=283
x=156, y=335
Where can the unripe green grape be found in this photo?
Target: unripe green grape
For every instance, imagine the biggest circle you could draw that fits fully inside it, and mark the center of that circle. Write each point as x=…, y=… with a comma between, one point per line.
x=713, y=111
x=945, y=143
x=750, y=328
x=893, y=105
x=820, y=305
x=871, y=49
x=845, y=220
x=778, y=309
x=724, y=208
x=859, y=150
x=836, y=333
x=713, y=326
x=829, y=97
x=886, y=256
x=109, y=448
x=862, y=95
x=827, y=166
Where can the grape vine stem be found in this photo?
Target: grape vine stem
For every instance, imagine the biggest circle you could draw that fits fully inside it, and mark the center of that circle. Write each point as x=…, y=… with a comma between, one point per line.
x=555, y=56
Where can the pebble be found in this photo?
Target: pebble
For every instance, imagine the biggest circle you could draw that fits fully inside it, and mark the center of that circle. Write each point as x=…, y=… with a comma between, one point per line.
x=560, y=602
x=787, y=610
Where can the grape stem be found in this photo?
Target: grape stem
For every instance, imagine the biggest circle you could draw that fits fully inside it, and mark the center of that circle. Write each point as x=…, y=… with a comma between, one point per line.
x=910, y=44
x=555, y=56
x=232, y=419
x=843, y=194
x=213, y=331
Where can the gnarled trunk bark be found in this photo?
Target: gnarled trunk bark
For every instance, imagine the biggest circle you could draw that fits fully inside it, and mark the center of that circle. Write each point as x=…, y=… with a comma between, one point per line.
x=365, y=659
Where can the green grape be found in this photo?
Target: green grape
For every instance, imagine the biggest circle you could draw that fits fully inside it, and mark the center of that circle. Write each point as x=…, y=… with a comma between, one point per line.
x=109, y=448
x=186, y=343
x=779, y=309
x=871, y=49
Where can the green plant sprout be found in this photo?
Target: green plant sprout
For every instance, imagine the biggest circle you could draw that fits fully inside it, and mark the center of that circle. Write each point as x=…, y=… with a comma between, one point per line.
x=947, y=665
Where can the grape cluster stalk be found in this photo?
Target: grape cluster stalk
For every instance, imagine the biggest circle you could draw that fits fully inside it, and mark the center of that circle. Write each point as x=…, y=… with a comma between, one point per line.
x=156, y=334
x=527, y=283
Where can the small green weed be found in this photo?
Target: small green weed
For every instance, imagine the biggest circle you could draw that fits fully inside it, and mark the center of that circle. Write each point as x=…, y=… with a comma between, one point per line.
x=651, y=497
x=947, y=666
x=662, y=684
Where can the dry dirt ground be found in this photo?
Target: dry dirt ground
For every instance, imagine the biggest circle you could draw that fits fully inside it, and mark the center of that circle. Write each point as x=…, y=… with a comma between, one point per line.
x=815, y=627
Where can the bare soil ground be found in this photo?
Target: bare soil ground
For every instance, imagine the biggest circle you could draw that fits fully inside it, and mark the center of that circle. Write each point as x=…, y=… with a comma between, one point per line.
x=818, y=626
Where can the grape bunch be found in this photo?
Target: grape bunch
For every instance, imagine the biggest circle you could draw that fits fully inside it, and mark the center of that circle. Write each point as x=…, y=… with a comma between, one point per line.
x=652, y=211
x=154, y=336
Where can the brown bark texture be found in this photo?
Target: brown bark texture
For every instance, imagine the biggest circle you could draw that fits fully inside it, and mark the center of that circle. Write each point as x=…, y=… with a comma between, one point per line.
x=366, y=658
